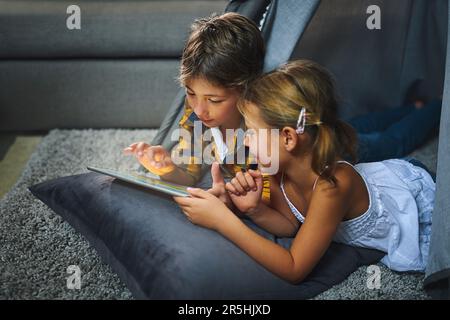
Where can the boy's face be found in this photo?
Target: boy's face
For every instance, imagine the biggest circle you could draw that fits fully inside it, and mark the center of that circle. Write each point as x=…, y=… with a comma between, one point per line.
x=215, y=106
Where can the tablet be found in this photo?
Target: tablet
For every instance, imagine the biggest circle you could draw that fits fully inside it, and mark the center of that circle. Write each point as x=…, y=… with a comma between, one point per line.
x=155, y=183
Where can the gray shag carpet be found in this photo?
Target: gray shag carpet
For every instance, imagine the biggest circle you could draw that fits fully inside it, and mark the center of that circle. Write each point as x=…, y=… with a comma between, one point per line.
x=37, y=246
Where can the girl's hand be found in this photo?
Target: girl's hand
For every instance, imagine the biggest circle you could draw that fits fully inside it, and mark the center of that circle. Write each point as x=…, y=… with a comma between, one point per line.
x=203, y=209
x=218, y=186
x=155, y=159
x=245, y=190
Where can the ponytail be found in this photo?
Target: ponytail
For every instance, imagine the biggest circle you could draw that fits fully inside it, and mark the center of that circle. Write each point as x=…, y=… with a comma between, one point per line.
x=324, y=153
x=329, y=143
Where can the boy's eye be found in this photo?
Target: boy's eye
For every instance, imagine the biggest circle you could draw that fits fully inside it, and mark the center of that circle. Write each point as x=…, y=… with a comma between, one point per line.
x=190, y=93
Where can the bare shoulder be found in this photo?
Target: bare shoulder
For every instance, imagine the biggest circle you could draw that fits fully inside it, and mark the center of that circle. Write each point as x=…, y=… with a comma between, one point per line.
x=349, y=192
x=346, y=181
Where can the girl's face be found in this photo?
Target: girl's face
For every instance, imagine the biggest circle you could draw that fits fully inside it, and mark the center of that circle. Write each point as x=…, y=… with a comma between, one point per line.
x=215, y=106
x=264, y=142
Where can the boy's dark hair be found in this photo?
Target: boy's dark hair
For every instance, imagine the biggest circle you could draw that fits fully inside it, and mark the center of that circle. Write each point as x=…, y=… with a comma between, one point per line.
x=226, y=50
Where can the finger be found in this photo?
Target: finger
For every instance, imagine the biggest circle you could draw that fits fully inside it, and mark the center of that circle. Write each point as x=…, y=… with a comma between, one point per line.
x=188, y=215
x=128, y=151
x=164, y=161
x=240, y=177
x=214, y=191
x=133, y=145
x=257, y=176
x=186, y=212
x=250, y=181
x=230, y=188
x=217, y=177
x=198, y=193
x=140, y=148
x=238, y=186
x=255, y=173
x=150, y=154
x=157, y=154
x=183, y=201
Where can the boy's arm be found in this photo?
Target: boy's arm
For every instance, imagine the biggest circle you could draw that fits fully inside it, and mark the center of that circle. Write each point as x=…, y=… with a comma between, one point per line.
x=179, y=176
x=188, y=172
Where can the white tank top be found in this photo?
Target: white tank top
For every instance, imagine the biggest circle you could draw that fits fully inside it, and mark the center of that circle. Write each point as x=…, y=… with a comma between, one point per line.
x=398, y=220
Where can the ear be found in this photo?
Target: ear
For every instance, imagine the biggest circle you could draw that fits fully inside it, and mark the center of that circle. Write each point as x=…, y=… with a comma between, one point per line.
x=289, y=138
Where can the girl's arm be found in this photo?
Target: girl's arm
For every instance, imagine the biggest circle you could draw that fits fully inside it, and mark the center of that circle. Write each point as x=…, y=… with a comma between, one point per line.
x=275, y=216
x=273, y=221
x=326, y=210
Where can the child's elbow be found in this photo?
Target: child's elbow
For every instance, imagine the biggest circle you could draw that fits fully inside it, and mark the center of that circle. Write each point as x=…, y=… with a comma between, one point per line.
x=296, y=275
x=296, y=278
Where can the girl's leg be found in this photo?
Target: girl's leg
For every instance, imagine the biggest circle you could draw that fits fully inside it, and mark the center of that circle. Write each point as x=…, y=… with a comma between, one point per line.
x=380, y=120
x=401, y=138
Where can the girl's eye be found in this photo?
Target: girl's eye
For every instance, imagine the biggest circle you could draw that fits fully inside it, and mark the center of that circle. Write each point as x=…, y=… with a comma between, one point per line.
x=190, y=93
x=216, y=101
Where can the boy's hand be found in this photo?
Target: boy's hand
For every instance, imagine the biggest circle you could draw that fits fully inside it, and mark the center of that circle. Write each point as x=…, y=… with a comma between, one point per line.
x=218, y=186
x=245, y=190
x=155, y=159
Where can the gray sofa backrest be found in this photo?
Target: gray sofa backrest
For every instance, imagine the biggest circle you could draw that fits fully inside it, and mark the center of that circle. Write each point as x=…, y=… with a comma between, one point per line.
x=118, y=71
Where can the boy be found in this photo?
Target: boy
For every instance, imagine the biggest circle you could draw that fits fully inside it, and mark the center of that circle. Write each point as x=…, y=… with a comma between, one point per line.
x=222, y=55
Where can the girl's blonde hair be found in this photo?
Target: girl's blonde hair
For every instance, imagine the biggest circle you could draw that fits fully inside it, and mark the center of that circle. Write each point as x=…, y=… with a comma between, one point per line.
x=282, y=93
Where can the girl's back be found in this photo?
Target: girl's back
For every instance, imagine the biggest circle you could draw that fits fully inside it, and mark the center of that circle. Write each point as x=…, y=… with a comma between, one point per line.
x=398, y=202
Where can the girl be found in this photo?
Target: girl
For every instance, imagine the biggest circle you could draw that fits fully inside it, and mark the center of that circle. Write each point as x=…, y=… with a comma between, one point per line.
x=382, y=205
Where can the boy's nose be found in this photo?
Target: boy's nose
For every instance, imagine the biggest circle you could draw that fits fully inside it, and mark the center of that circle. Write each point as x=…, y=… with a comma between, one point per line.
x=201, y=110
x=246, y=141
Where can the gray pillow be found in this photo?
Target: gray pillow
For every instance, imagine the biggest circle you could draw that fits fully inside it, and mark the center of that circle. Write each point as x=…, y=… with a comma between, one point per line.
x=159, y=254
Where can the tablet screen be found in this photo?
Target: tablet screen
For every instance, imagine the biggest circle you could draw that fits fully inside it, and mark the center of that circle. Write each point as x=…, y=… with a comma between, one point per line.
x=145, y=181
